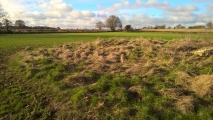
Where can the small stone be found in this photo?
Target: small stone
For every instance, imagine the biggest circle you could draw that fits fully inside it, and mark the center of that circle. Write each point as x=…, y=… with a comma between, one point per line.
x=204, y=52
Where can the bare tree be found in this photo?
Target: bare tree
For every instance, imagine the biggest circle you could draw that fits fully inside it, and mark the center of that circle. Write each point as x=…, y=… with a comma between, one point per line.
x=179, y=26
x=209, y=25
x=2, y=13
x=99, y=25
x=20, y=23
x=7, y=23
x=160, y=26
x=120, y=26
x=112, y=22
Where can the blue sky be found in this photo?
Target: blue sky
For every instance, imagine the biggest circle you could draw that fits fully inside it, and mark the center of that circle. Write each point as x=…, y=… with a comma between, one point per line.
x=85, y=13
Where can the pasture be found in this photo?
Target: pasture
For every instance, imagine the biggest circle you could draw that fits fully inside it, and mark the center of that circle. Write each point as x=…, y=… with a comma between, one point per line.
x=10, y=41
x=120, y=75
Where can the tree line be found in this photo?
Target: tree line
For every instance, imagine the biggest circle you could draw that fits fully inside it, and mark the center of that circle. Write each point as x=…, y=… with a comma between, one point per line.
x=114, y=22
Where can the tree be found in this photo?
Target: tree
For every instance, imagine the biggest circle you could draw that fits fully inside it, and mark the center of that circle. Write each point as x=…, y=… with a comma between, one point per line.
x=120, y=26
x=112, y=22
x=209, y=25
x=7, y=23
x=179, y=26
x=2, y=13
x=20, y=23
x=160, y=26
x=99, y=25
x=1, y=24
x=128, y=28
x=197, y=27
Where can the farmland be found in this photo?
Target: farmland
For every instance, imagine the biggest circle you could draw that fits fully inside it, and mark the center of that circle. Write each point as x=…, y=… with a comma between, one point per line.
x=120, y=75
x=8, y=41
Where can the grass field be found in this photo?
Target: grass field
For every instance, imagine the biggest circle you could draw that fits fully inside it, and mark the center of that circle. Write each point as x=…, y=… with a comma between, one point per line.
x=10, y=41
x=148, y=76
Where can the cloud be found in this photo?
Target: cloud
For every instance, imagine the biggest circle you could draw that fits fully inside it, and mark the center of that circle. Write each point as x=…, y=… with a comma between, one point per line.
x=82, y=14
x=56, y=6
x=88, y=14
x=138, y=13
x=210, y=6
x=101, y=15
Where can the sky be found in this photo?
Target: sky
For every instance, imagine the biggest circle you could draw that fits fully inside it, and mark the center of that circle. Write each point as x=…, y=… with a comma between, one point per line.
x=86, y=13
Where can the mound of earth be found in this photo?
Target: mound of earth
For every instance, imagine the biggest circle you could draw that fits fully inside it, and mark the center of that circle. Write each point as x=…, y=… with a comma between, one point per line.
x=203, y=86
x=141, y=57
x=173, y=61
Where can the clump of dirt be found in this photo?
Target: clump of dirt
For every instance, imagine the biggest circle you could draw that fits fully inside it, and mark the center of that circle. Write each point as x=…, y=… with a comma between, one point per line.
x=135, y=92
x=182, y=101
x=183, y=78
x=185, y=104
x=78, y=80
x=203, y=85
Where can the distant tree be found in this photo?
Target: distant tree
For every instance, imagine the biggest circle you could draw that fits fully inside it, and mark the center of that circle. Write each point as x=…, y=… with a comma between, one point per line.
x=169, y=27
x=197, y=27
x=209, y=25
x=20, y=23
x=150, y=27
x=7, y=23
x=1, y=24
x=128, y=28
x=2, y=12
x=160, y=26
x=120, y=26
x=183, y=27
x=179, y=26
x=112, y=22
x=99, y=25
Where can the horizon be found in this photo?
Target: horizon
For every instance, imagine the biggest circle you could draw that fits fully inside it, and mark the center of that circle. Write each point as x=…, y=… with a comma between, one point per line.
x=86, y=13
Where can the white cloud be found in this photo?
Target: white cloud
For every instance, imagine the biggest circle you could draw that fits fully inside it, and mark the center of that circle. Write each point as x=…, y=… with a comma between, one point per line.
x=101, y=14
x=137, y=13
x=56, y=6
x=88, y=14
x=210, y=6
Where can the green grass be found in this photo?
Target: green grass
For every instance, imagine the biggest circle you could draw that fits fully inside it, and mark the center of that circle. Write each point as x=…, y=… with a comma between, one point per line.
x=15, y=41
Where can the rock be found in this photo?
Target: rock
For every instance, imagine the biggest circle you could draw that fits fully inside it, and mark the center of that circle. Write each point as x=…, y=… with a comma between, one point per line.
x=122, y=58
x=204, y=52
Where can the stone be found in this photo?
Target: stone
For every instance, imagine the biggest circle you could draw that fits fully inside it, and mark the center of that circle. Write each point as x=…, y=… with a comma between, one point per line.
x=204, y=52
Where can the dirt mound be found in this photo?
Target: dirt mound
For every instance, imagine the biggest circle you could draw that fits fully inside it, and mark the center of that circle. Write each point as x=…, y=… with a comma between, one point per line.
x=141, y=57
x=134, y=92
x=183, y=79
x=203, y=85
x=78, y=80
x=182, y=101
x=172, y=62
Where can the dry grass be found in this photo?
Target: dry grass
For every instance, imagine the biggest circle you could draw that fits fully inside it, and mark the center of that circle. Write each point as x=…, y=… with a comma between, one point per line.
x=172, y=61
x=203, y=85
